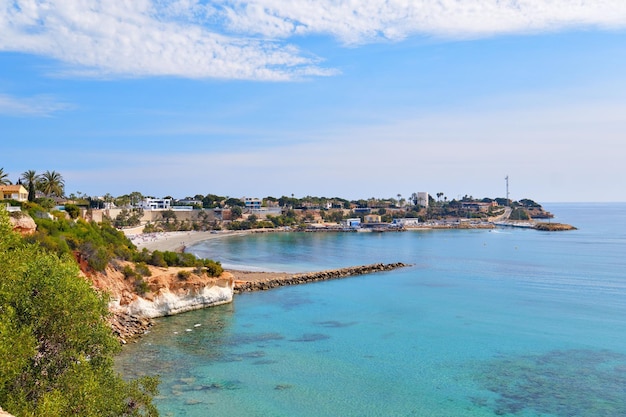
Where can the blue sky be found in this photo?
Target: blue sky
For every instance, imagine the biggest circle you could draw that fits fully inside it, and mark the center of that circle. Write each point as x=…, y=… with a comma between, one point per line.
x=318, y=97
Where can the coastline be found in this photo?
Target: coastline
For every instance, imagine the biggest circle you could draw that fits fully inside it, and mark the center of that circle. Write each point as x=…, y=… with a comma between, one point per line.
x=177, y=241
x=244, y=280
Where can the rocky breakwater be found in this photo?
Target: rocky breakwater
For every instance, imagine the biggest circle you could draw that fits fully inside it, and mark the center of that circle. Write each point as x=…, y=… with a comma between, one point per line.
x=269, y=283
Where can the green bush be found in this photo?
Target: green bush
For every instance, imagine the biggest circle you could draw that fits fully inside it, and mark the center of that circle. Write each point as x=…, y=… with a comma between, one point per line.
x=213, y=268
x=183, y=275
x=73, y=210
x=56, y=348
x=141, y=286
x=129, y=272
x=157, y=259
x=96, y=256
x=142, y=269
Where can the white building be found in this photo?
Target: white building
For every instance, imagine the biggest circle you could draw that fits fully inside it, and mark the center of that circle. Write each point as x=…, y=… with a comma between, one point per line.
x=407, y=222
x=354, y=222
x=422, y=199
x=156, y=204
x=253, y=203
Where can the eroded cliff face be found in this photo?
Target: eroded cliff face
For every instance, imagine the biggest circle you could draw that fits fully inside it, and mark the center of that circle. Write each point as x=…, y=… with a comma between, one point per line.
x=136, y=301
x=169, y=296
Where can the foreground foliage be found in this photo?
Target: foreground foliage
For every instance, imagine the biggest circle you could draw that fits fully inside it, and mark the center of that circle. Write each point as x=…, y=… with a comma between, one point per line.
x=56, y=349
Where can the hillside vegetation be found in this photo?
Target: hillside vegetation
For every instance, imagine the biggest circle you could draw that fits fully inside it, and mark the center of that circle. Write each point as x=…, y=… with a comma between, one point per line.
x=56, y=348
x=99, y=245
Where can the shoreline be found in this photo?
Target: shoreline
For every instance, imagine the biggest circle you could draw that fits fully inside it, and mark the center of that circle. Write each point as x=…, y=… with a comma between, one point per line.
x=178, y=241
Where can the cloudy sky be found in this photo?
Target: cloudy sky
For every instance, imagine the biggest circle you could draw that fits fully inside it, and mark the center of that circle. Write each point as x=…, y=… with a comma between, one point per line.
x=349, y=98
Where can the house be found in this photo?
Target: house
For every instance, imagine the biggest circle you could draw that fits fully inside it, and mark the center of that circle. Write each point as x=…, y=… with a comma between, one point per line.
x=252, y=203
x=405, y=222
x=477, y=206
x=372, y=218
x=156, y=204
x=13, y=192
x=354, y=222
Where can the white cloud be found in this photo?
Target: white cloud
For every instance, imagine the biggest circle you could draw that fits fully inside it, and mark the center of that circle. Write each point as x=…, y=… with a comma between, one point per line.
x=41, y=105
x=237, y=39
x=97, y=37
x=362, y=21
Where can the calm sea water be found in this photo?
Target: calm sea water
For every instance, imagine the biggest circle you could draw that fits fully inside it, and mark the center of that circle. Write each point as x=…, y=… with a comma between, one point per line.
x=485, y=323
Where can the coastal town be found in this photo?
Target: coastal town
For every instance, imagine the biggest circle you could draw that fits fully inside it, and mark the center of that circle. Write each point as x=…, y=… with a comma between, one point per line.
x=135, y=213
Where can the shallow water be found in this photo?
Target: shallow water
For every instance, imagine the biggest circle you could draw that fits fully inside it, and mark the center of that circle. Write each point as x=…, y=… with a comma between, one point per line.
x=485, y=323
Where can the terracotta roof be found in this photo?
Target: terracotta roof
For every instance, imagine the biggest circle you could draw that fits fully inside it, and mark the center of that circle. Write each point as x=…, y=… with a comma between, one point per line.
x=15, y=188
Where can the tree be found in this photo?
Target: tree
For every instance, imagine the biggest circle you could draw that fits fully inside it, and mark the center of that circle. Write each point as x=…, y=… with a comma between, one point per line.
x=335, y=216
x=30, y=179
x=51, y=183
x=4, y=177
x=135, y=198
x=56, y=349
x=168, y=215
x=236, y=212
x=234, y=202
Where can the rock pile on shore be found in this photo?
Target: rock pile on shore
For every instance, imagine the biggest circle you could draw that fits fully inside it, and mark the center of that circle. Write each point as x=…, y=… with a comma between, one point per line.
x=244, y=286
x=126, y=327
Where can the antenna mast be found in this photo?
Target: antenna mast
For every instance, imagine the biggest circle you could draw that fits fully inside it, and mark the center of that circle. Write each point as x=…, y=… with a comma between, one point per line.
x=508, y=201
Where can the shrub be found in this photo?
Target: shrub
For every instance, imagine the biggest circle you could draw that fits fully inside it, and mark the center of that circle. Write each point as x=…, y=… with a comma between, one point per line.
x=128, y=272
x=141, y=286
x=142, y=269
x=183, y=275
x=73, y=210
x=213, y=268
x=157, y=259
x=96, y=256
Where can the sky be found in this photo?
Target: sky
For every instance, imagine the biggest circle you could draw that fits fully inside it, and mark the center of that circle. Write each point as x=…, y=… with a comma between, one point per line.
x=345, y=98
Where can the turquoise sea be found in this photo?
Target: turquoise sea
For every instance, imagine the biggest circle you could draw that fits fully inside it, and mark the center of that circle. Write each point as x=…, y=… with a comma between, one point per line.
x=507, y=322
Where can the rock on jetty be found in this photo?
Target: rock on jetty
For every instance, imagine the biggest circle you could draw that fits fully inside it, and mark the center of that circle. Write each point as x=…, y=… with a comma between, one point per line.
x=244, y=286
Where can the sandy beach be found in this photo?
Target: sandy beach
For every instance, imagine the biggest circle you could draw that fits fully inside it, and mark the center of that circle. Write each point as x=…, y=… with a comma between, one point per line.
x=176, y=241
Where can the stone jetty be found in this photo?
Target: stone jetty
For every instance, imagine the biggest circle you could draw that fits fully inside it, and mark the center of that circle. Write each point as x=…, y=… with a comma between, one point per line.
x=304, y=278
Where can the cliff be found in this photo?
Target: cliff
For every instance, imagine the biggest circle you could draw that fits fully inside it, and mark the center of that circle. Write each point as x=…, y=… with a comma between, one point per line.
x=136, y=301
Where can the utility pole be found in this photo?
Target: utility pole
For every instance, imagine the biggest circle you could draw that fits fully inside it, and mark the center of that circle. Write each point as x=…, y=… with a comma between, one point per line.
x=508, y=201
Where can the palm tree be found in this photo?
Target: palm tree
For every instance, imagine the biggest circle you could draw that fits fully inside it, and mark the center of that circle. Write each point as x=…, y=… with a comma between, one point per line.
x=31, y=180
x=52, y=184
x=4, y=177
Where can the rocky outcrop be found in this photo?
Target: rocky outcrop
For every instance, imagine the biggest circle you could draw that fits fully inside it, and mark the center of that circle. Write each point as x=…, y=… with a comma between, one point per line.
x=176, y=298
x=23, y=223
x=553, y=227
x=5, y=414
x=243, y=286
x=126, y=327
x=136, y=300
x=135, y=317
